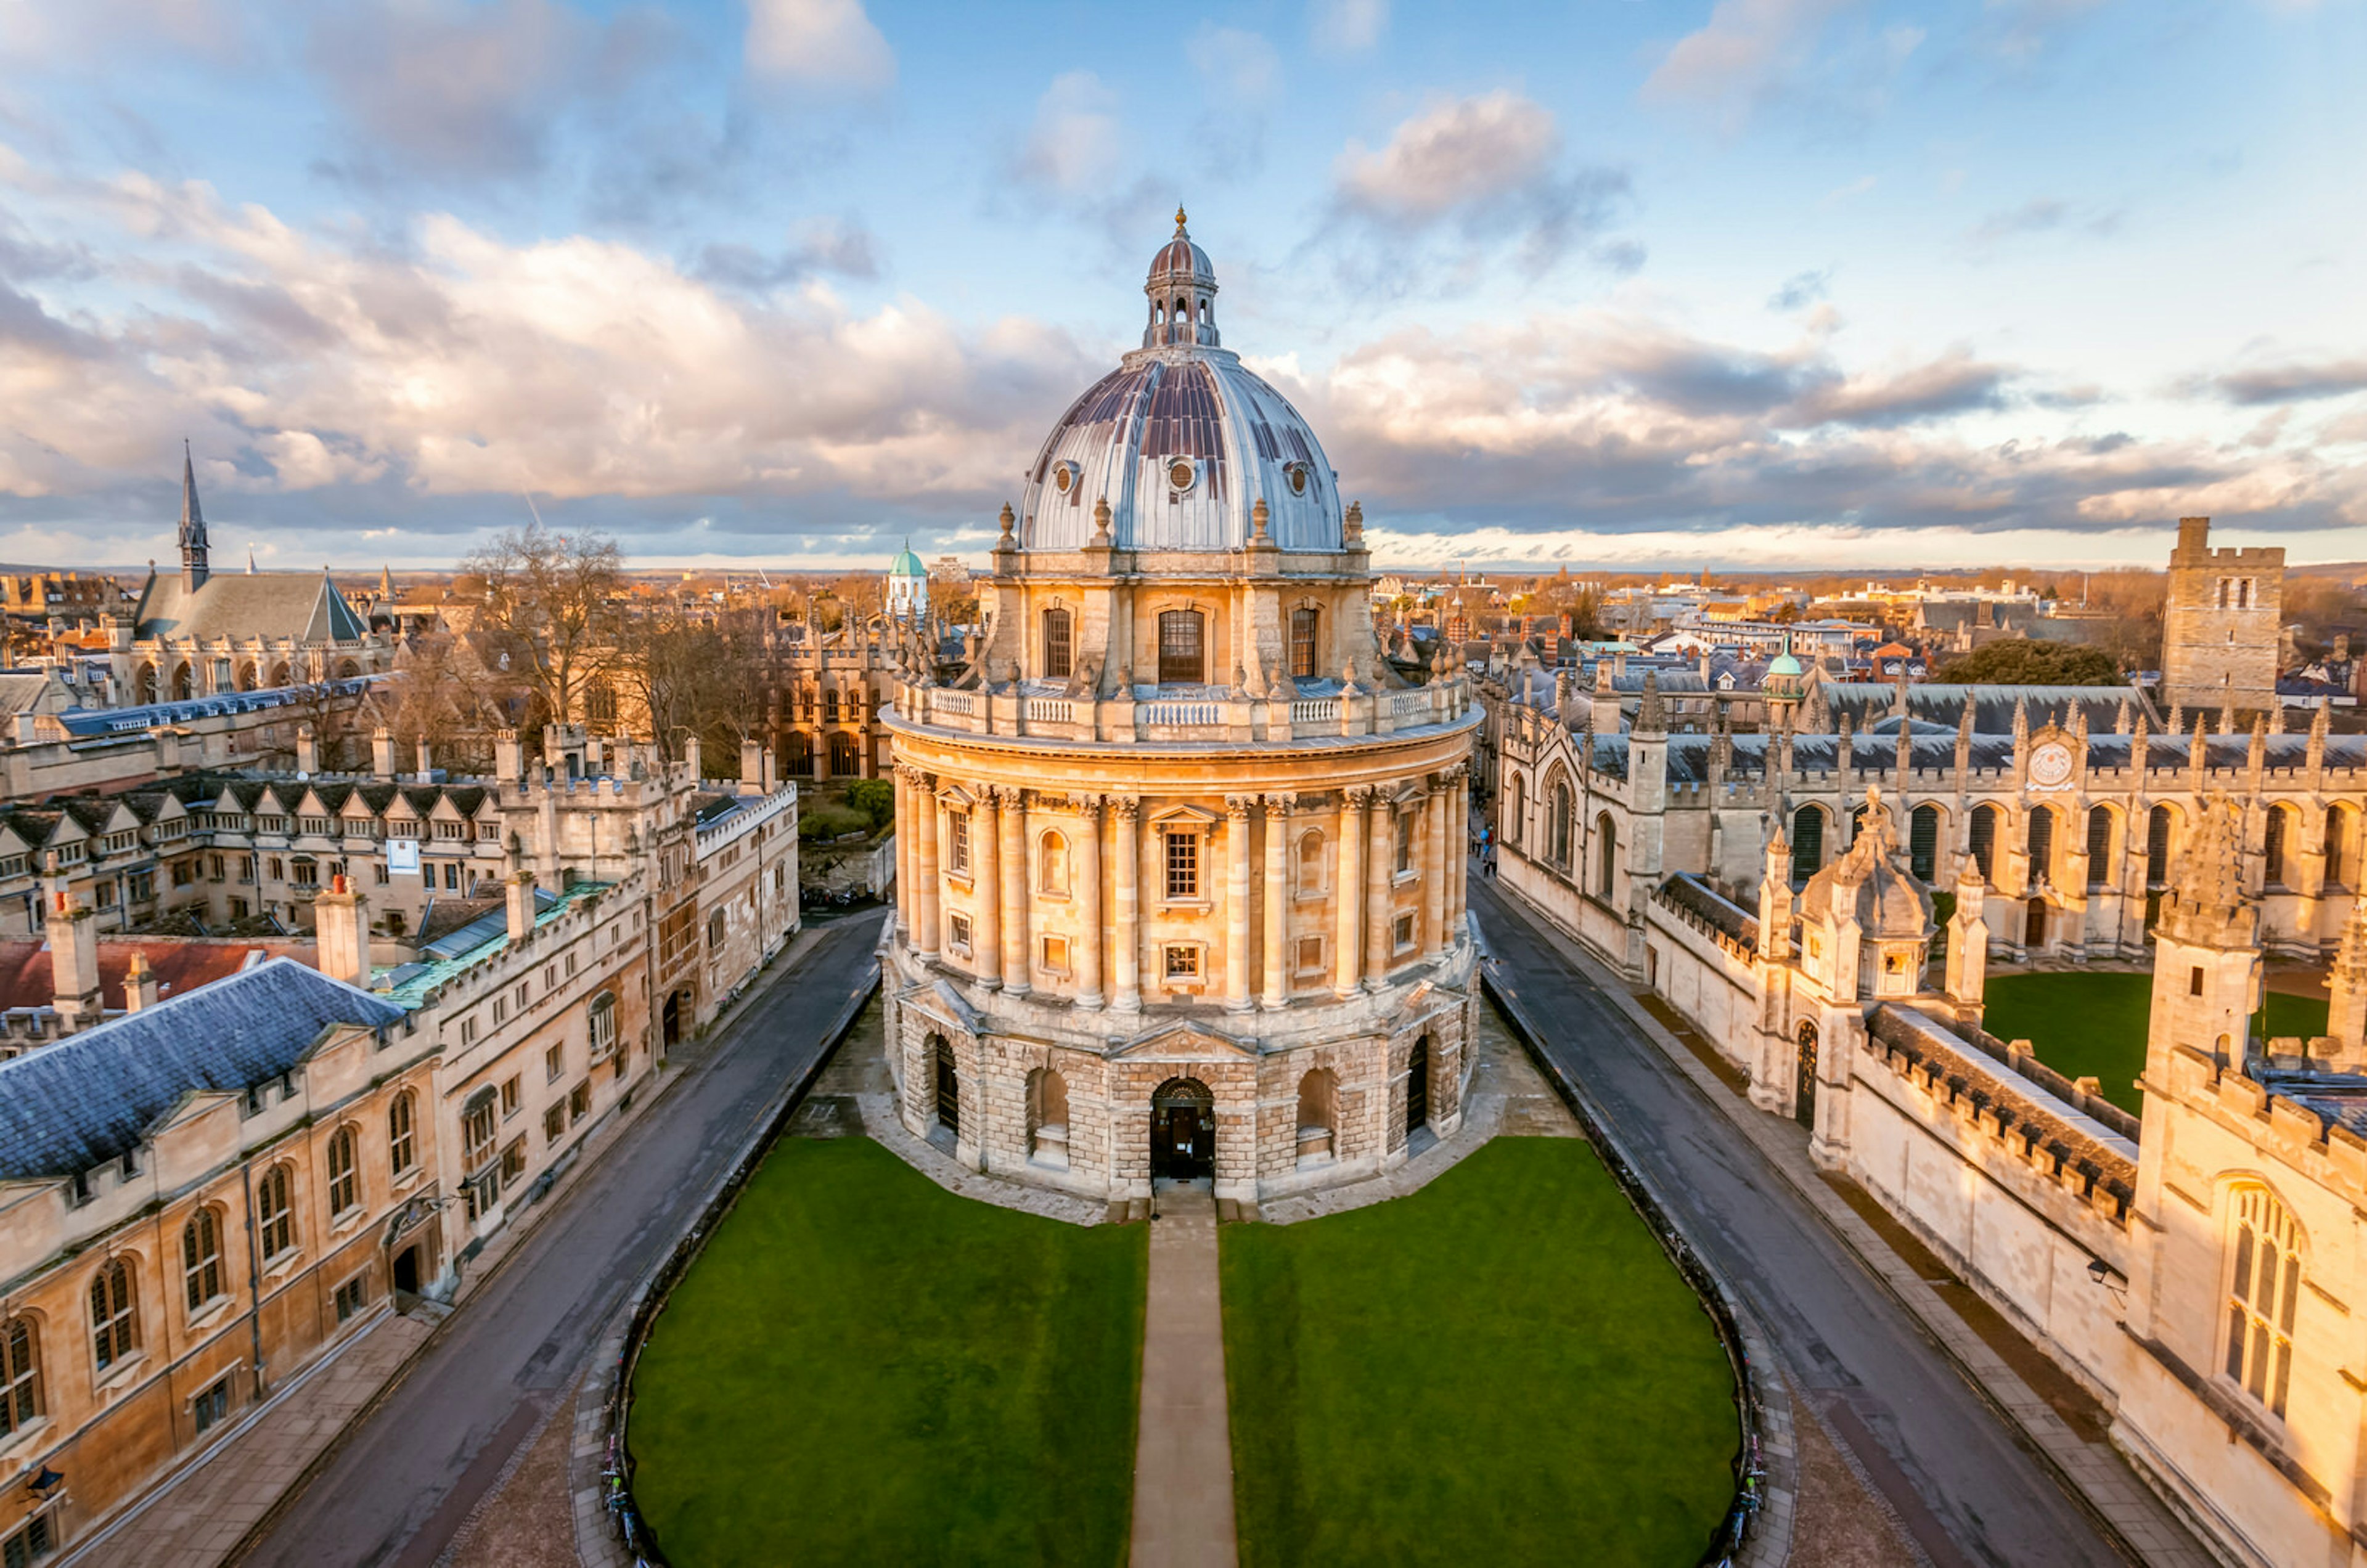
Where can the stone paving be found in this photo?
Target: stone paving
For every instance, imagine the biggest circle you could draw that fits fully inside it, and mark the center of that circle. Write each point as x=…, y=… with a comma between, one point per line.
x=1183, y=1448
x=199, y=1516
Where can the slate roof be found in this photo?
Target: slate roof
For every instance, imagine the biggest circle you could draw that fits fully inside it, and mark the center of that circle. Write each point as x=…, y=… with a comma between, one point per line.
x=76, y=1105
x=180, y=966
x=269, y=605
x=1944, y=702
x=2340, y=1099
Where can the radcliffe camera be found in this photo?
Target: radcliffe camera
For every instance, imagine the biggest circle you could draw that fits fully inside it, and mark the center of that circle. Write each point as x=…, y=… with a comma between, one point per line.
x=830, y=782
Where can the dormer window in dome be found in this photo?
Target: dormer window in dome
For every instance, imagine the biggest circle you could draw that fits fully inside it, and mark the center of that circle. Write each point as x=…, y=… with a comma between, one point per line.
x=1296, y=474
x=1064, y=480
x=1183, y=473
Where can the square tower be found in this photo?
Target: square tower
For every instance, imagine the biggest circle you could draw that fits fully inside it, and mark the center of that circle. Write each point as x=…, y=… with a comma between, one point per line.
x=2220, y=622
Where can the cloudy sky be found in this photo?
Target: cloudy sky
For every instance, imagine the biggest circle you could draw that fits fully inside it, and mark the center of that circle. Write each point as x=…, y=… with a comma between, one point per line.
x=1612, y=282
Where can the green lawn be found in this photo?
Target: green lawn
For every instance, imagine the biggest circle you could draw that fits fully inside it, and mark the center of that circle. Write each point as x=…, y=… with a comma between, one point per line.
x=1500, y=1369
x=864, y=1367
x=2094, y=1025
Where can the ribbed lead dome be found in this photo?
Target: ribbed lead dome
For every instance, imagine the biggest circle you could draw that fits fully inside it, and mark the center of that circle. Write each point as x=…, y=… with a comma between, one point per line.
x=1181, y=440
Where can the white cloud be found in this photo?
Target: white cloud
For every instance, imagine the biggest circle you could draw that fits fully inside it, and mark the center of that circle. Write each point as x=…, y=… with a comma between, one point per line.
x=822, y=42
x=1743, y=53
x=1242, y=65
x=1073, y=145
x=1454, y=153
x=1347, y=26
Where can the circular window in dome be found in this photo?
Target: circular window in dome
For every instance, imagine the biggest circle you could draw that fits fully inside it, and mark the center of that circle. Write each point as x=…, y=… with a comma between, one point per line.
x=1297, y=474
x=1181, y=472
x=1064, y=476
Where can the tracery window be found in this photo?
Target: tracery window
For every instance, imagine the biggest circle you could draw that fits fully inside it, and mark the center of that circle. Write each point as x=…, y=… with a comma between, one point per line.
x=402, y=1141
x=114, y=1314
x=344, y=1180
x=1562, y=826
x=276, y=1208
x=2262, y=1289
x=20, y=1376
x=201, y=1266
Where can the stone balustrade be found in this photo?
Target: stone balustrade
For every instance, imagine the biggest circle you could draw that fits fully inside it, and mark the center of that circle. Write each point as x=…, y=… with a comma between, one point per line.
x=1180, y=721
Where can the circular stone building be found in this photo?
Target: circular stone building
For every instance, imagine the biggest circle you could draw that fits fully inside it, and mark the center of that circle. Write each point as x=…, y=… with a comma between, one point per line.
x=1181, y=854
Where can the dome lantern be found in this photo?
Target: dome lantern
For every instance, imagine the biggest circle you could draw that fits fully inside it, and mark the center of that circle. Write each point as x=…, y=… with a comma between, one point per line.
x=1182, y=291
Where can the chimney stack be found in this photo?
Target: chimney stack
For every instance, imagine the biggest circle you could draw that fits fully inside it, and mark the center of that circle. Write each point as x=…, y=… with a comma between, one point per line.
x=341, y=919
x=509, y=757
x=521, y=906
x=427, y=761
x=690, y=757
x=308, y=752
x=73, y=959
x=752, y=766
x=139, y=984
x=383, y=753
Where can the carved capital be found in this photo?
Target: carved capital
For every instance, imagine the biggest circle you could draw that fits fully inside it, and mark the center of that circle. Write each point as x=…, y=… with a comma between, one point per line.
x=1129, y=807
x=1011, y=797
x=1280, y=804
x=1358, y=796
x=1237, y=807
x=1086, y=806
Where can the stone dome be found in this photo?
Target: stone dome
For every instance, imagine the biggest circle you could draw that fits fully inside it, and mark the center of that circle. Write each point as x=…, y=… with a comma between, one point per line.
x=907, y=564
x=1181, y=440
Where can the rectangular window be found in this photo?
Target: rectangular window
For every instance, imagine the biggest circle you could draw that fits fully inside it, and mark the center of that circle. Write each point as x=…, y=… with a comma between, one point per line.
x=488, y=832
x=579, y=1102
x=445, y=829
x=1183, y=864
x=512, y=1162
x=554, y=1063
x=467, y=1032
x=1311, y=955
x=1057, y=663
x=352, y=1296
x=604, y=1025
x=1181, y=658
x=1055, y=960
x=1303, y=624
x=316, y=826
x=1401, y=934
x=509, y=1097
x=554, y=1124
x=1183, y=962
x=957, y=933
x=211, y=1409
x=306, y=874
x=677, y=934
x=958, y=842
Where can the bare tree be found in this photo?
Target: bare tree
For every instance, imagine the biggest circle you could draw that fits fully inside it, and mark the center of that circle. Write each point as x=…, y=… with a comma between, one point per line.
x=550, y=596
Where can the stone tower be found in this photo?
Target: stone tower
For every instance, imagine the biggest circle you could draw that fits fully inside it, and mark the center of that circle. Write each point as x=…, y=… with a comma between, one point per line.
x=2220, y=622
x=2206, y=963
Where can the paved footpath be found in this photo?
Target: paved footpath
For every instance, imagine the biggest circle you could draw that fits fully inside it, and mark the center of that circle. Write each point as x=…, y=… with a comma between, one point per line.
x=1183, y=1450
x=399, y=1492
x=1968, y=1489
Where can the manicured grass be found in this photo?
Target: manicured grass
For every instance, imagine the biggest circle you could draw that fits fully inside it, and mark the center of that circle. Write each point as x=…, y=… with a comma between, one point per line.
x=864, y=1367
x=2084, y=1025
x=1500, y=1369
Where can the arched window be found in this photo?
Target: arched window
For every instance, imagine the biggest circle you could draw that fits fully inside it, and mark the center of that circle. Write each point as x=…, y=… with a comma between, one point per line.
x=830, y=706
x=1052, y=862
x=345, y=1177
x=1304, y=624
x=1418, y=1086
x=2272, y=849
x=842, y=760
x=715, y=932
x=1807, y=842
x=247, y=681
x=184, y=683
x=601, y=1024
x=202, y=1262
x=1058, y=660
x=1923, y=842
x=1514, y=808
x=477, y=1129
x=275, y=1209
x=401, y=1140
x=114, y=1314
x=2263, y=1288
x=1183, y=657
x=2158, y=830
x=2099, y=845
x=2041, y=843
x=1562, y=826
x=1047, y=1117
x=144, y=683
x=20, y=1376
x=2341, y=844
x=1311, y=861
x=1606, y=854
x=600, y=702
x=1984, y=837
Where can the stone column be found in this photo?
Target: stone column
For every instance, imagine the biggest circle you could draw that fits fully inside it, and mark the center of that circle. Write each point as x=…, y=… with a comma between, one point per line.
x=1089, y=900
x=924, y=867
x=1437, y=844
x=905, y=833
x=1236, y=902
x=1458, y=877
x=1277, y=901
x=1380, y=866
x=1017, y=956
x=1348, y=894
x=986, y=884
x=1126, y=942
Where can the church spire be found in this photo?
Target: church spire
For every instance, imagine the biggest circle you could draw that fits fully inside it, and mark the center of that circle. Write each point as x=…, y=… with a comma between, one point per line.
x=194, y=566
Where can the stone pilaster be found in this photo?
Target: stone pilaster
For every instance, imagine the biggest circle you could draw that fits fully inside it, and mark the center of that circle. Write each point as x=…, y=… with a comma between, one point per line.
x=1126, y=951
x=1348, y=894
x=1017, y=958
x=1277, y=901
x=1237, y=905
x=1089, y=900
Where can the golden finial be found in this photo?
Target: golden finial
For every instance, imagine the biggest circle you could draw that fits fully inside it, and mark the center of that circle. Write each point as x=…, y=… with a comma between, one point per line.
x=1179, y=218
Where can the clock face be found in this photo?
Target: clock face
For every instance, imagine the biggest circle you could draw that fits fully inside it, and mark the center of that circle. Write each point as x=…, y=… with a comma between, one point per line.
x=2050, y=765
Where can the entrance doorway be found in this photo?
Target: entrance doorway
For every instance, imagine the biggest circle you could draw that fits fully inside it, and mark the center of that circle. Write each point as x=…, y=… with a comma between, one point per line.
x=1183, y=1131
x=2033, y=925
x=948, y=1091
x=1418, y=1087
x=1804, y=1078
x=670, y=1022
x=406, y=1271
